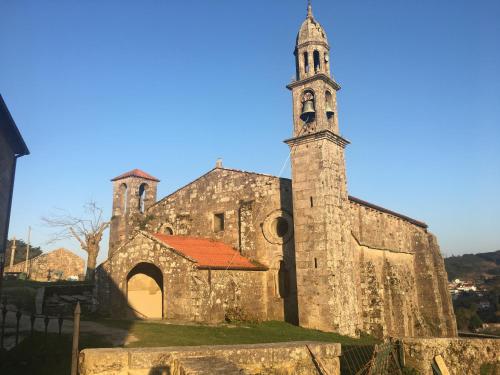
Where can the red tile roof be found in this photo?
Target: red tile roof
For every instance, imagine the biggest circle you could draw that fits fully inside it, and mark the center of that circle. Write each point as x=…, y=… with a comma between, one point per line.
x=208, y=253
x=136, y=173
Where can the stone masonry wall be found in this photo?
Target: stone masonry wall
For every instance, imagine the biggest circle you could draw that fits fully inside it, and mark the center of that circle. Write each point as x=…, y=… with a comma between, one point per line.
x=461, y=356
x=292, y=358
x=126, y=202
x=325, y=270
x=402, y=277
x=7, y=165
x=45, y=266
x=189, y=294
x=251, y=204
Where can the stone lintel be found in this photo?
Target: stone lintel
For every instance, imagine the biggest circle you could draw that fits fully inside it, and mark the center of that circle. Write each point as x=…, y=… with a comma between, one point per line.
x=321, y=76
x=323, y=134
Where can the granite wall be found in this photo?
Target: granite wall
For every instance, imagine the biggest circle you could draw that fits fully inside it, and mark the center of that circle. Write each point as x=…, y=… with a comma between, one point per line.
x=461, y=356
x=189, y=293
x=402, y=279
x=49, y=266
x=294, y=358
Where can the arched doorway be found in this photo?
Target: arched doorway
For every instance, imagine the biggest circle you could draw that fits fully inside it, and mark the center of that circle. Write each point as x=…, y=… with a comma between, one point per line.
x=145, y=291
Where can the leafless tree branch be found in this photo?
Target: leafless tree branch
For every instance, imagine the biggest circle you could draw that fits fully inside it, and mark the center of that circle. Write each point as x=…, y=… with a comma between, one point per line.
x=87, y=230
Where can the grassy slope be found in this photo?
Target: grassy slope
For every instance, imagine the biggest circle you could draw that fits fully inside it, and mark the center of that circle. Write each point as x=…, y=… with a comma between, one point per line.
x=154, y=334
x=473, y=266
x=53, y=356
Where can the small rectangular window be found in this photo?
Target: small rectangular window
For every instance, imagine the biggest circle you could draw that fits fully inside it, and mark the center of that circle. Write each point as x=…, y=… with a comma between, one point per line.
x=311, y=200
x=315, y=262
x=218, y=222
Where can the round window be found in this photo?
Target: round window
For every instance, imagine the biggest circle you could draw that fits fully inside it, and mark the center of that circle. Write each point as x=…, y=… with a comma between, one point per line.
x=280, y=226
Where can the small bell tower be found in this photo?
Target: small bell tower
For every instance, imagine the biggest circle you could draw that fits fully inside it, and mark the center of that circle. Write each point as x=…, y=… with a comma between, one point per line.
x=133, y=193
x=325, y=264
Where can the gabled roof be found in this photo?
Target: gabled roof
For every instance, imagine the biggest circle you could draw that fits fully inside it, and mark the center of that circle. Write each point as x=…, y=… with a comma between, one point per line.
x=9, y=128
x=136, y=173
x=208, y=254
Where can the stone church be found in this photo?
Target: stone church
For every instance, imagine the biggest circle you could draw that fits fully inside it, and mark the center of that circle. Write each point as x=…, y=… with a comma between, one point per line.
x=241, y=245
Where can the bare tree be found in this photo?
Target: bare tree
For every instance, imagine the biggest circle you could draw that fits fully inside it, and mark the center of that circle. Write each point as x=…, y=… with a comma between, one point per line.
x=87, y=230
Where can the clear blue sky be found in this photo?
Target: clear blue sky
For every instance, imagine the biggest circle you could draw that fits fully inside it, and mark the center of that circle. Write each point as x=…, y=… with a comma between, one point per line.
x=100, y=87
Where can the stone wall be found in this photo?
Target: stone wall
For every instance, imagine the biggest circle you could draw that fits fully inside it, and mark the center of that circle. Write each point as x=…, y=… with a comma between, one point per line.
x=126, y=207
x=189, y=294
x=461, y=356
x=327, y=298
x=45, y=267
x=251, y=204
x=7, y=167
x=402, y=281
x=283, y=359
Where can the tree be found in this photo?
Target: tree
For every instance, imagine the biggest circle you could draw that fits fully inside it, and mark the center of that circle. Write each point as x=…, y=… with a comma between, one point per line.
x=87, y=230
x=20, y=254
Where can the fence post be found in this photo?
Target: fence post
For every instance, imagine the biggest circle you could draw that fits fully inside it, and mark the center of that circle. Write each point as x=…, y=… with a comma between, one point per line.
x=4, y=314
x=76, y=333
x=18, y=318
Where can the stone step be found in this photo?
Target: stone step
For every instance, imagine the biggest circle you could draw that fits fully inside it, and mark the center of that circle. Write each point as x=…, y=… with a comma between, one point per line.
x=208, y=366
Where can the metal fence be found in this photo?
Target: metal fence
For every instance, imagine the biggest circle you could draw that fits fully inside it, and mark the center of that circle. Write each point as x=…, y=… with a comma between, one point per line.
x=380, y=359
x=14, y=328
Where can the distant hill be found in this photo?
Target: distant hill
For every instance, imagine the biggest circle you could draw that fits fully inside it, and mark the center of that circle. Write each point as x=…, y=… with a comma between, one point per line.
x=473, y=266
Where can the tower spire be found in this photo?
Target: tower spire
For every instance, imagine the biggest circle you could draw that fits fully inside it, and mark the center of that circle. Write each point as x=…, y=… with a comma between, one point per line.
x=309, y=9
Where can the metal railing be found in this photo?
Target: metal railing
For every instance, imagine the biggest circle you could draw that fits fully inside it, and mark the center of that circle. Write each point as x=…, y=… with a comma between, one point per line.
x=46, y=319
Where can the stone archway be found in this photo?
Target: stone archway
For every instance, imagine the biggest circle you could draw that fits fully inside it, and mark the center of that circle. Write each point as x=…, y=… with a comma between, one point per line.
x=145, y=291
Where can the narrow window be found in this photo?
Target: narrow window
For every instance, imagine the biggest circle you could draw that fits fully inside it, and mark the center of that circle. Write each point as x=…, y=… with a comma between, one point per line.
x=329, y=106
x=306, y=62
x=142, y=196
x=315, y=262
x=218, y=222
x=311, y=200
x=283, y=280
x=317, y=64
x=123, y=198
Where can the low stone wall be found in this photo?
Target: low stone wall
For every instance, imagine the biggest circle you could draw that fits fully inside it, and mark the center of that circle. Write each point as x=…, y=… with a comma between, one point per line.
x=461, y=356
x=280, y=358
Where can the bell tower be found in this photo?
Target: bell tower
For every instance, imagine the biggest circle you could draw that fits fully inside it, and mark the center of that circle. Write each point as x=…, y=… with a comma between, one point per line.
x=133, y=193
x=325, y=262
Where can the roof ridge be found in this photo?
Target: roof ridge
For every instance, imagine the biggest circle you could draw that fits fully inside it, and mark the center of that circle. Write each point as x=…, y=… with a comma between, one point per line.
x=136, y=172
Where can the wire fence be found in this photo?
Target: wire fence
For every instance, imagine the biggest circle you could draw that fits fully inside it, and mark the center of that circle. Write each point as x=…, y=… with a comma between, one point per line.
x=381, y=359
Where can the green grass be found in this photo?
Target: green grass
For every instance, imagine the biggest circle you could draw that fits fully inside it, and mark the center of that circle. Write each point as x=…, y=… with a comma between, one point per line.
x=157, y=334
x=52, y=355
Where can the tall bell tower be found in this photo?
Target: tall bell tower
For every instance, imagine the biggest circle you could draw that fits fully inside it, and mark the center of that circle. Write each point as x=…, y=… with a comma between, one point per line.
x=325, y=263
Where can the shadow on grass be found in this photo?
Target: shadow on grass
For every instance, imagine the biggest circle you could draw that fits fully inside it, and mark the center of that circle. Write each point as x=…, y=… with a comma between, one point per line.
x=42, y=355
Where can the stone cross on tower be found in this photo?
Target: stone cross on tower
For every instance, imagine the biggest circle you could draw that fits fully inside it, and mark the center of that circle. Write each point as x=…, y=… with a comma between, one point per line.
x=324, y=258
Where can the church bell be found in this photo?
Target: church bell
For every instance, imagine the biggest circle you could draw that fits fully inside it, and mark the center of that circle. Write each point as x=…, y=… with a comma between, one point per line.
x=307, y=111
x=329, y=110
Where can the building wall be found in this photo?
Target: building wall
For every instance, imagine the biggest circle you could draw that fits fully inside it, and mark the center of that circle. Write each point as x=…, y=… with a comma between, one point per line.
x=402, y=280
x=60, y=260
x=7, y=166
x=250, y=203
x=189, y=294
x=126, y=211
x=325, y=264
